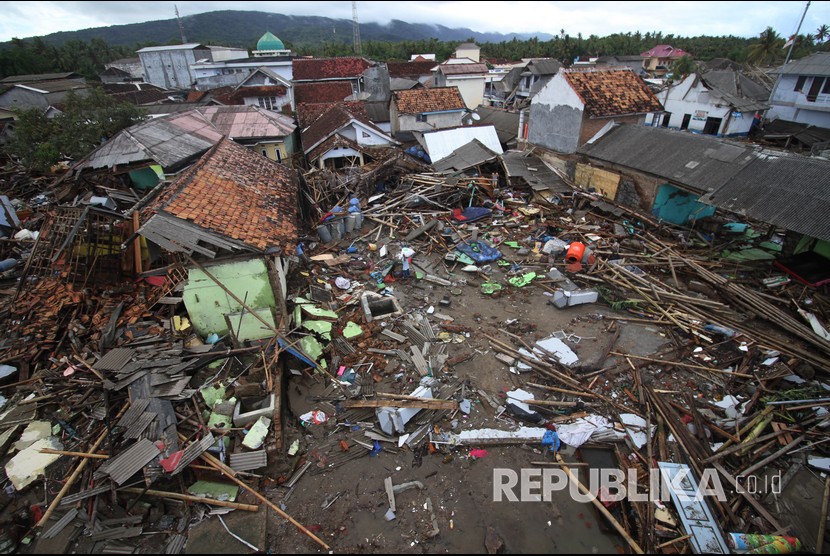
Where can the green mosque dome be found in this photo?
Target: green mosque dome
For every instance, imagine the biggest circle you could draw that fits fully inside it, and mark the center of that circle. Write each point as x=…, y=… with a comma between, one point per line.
x=269, y=42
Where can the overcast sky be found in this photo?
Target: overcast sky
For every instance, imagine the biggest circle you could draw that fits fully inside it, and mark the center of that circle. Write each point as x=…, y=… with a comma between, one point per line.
x=743, y=19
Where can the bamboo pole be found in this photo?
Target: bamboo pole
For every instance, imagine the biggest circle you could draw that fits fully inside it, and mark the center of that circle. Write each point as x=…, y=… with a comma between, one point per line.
x=191, y=498
x=75, y=474
x=74, y=454
x=679, y=364
x=620, y=529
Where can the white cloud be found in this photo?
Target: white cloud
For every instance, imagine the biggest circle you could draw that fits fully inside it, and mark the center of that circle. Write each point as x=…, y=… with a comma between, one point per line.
x=745, y=19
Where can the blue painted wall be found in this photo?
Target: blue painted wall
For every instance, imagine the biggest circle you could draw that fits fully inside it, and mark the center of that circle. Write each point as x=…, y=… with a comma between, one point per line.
x=679, y=207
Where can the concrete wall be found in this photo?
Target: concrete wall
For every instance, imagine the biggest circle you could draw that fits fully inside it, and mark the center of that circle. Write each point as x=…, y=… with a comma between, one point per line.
x=692, y=98
x=409, y=122
x=471, y=89
x=367, y=137
x=171, y=68
x=473, y=54
x=376, y=83
x=556, y=117
x=222, y=54
x=216, y=81
x=791, y=105
x=135, y=69
x=278, y=103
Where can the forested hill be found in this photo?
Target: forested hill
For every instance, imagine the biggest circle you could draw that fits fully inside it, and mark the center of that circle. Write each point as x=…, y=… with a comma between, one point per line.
x=244, y=28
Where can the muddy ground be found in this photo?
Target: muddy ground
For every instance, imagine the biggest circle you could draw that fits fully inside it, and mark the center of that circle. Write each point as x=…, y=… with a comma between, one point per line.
x=459, y=486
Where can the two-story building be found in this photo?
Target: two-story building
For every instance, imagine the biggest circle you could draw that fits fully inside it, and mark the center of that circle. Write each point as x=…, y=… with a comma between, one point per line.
x=802, y=92
x=426, y=109
x=469, y=76
x=658, y=60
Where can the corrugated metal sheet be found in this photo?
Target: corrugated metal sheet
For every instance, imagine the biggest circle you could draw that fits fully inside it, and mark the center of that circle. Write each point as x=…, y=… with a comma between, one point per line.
x=114, y=360
x=194, y=451
x=815, y=64
x=700, y=163
x=175, y=545
x=466, y=156
x=137, y=407
x=440, y=144
x=789, y=191
x=129, y=462
x=72, y=498
x=139, y=425
x=506, y=123
x=532, y=170
x=249, y=460
x=60, y=524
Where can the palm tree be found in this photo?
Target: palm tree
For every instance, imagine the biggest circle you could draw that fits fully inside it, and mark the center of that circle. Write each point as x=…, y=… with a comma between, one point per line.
x=683, y=66
x=767, y=50
x=822, y=33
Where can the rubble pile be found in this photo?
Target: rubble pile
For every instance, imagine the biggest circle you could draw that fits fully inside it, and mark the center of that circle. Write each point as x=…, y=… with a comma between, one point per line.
x=124, y=427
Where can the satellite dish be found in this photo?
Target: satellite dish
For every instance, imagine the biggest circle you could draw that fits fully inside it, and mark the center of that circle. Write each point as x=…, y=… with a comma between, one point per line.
x=475, y=116
x=468, y=122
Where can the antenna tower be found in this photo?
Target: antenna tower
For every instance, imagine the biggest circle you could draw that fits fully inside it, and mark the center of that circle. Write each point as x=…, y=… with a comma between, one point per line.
x=181, y=27
x=355, y=30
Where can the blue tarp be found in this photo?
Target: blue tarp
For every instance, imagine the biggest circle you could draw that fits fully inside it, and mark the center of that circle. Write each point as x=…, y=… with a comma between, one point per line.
x=479, y=252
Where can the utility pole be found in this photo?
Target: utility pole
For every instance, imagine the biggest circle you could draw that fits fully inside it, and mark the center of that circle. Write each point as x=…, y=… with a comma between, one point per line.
x=790, y=51
x=181, y=27
x=355, y=29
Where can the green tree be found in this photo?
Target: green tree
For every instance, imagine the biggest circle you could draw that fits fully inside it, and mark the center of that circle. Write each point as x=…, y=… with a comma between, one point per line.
x=683, y=66
x=822, y=33
x=767, y=50
x=87, y=120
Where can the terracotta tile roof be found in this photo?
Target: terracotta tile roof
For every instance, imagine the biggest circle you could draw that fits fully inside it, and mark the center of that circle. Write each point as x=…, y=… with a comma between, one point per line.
x=257, y=196
x=140, y=97
x=612, y=92
x=410, y=69
x=328, y=68
x=308, y=112
x=329, y=124
x=417, y=101
x=331, y=91
x=664, y=51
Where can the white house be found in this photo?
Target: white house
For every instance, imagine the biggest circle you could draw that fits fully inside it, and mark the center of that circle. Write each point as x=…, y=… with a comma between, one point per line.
x=469, y=76
x=468, y=50
x=426, y=109
x=723, y=103
x=802, y=92
x=170, y=66
x=340, y=139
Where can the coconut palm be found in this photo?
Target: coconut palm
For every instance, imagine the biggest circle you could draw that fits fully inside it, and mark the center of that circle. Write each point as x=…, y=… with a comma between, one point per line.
x=767, y=50
x=822, y=33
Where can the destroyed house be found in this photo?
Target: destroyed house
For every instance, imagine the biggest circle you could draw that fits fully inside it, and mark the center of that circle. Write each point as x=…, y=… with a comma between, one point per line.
x=426, y=109
x=340, y=139
x=725, y=103
x=264, y=131
x=247, y=238
x=577, y=103
x=659, y=170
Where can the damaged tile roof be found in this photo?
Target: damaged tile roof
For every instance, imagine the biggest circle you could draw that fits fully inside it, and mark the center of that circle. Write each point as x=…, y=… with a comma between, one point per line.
x=418, y=101
x=330, y=123
x=306, y=69
x=331, y=143
x=258, y=197
x=410, y=69
x=239, y=122
x=308, y=112
x=612, y=92
x=333, y=91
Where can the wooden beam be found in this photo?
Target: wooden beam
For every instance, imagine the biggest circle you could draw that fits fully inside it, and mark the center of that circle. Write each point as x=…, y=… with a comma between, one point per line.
x=422, y=403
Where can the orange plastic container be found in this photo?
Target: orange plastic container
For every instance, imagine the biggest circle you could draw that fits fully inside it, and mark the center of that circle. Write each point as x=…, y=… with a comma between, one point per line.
x=575, y=252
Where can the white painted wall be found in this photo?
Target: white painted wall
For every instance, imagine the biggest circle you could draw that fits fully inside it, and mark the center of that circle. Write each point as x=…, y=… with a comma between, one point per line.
x=691, y=97
x=791, y=105
x=470, y=87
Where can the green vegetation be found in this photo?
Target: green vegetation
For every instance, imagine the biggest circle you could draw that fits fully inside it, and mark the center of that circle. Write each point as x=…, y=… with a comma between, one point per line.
x=39, y=142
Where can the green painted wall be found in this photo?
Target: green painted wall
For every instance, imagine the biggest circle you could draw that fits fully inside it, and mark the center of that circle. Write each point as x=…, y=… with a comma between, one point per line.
x=678, y=207
x=207, y=303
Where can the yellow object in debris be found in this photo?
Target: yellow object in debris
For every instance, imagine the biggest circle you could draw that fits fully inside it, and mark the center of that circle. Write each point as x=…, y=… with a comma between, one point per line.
x=180, y=323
